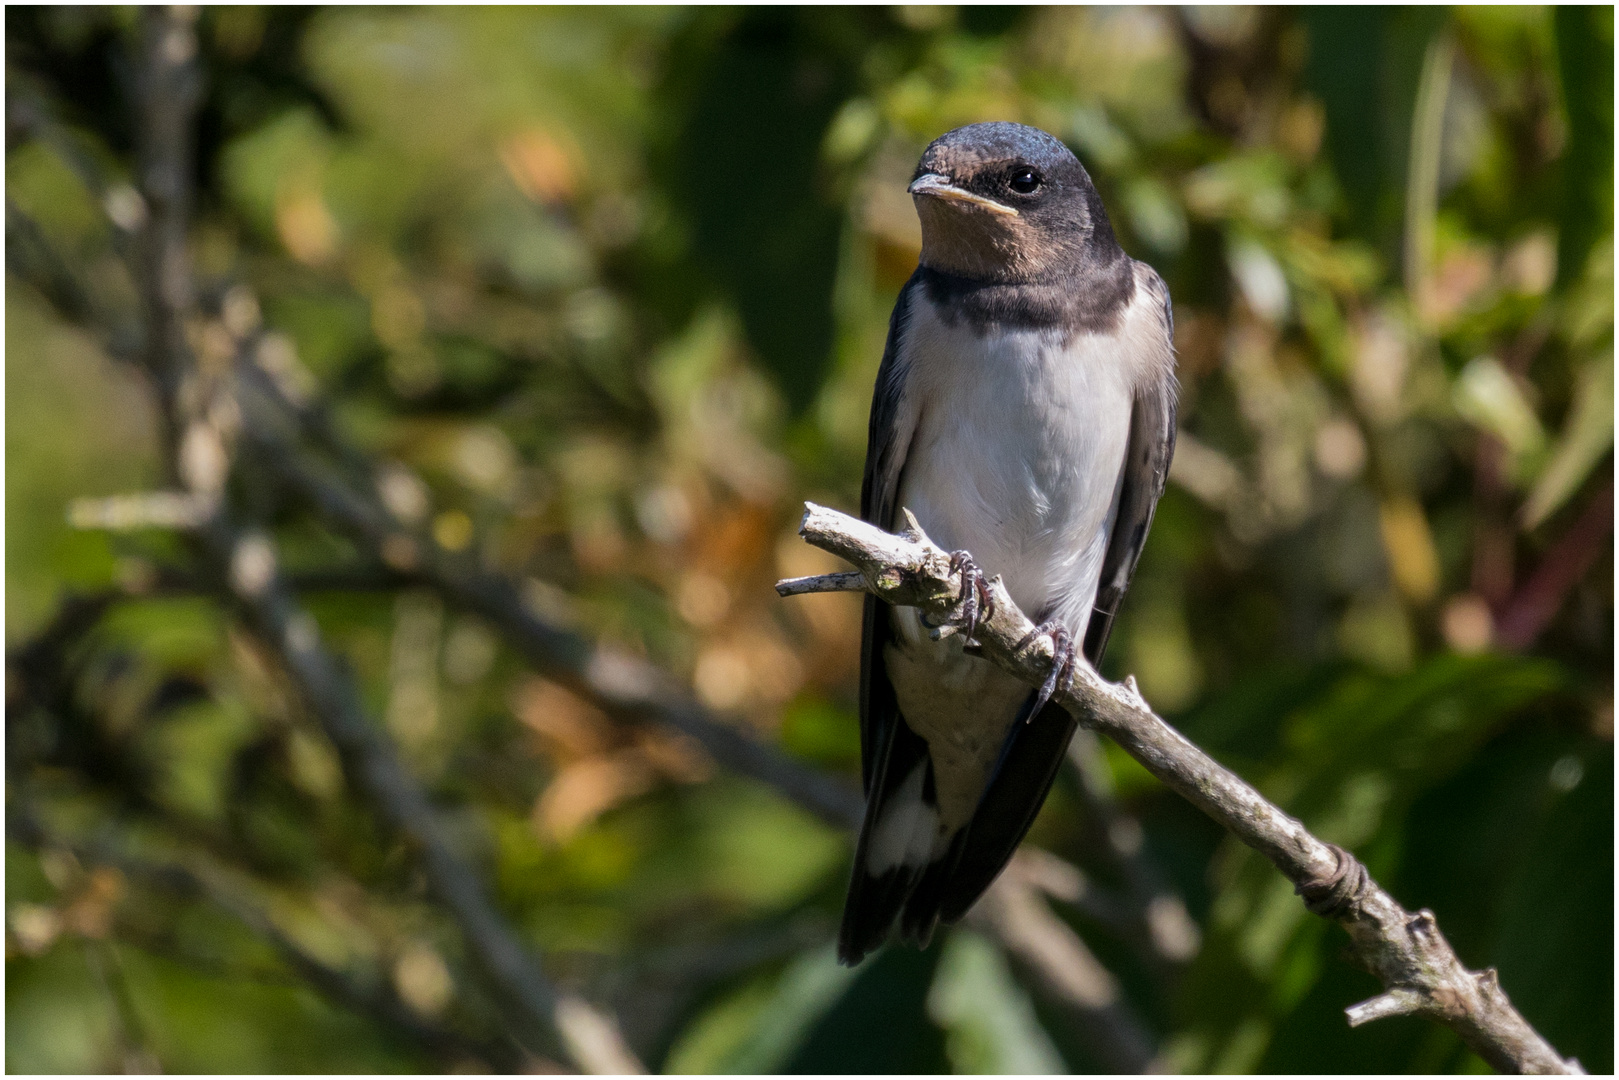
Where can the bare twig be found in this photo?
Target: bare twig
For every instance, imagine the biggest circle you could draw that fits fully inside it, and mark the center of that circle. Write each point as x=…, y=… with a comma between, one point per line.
x=840, y=582
x=1418, y=968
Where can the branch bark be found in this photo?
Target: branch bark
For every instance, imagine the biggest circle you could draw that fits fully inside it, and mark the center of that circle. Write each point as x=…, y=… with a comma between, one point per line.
x=1420, y=972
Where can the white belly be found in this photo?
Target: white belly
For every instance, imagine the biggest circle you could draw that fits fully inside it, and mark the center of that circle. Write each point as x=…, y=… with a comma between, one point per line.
x=1018, y=450
x=1019, y=446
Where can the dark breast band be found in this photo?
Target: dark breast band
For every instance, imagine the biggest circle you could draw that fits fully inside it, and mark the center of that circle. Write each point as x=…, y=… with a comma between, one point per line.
x=1088, y=300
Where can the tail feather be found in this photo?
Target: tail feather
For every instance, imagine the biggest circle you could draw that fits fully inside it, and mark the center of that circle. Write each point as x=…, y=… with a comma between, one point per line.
x=891, y=857
x=922, y=908
x=868, y=914
x=1009, y=805
x=899, y=873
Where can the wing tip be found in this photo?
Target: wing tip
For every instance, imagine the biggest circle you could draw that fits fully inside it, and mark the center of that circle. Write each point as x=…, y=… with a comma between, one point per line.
x=851, y=954
x=869, y=912
x=875, y=905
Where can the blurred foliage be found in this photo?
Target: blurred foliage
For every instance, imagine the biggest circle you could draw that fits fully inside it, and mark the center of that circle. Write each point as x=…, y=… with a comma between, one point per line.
x=608, y=287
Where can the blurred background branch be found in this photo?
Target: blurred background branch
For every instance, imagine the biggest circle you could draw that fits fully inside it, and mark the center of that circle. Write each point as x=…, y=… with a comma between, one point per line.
x=515, y=340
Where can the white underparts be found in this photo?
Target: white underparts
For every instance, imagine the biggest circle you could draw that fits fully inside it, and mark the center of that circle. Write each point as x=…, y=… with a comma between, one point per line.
x=907, y=828
x=962, y=706
x=1015, y=454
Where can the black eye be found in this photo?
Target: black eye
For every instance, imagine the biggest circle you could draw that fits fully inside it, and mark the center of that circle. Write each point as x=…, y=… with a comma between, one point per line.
x=1024, y=180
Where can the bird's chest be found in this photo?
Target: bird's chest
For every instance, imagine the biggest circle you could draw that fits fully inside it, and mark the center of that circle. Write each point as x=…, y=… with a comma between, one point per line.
x=1018, y=448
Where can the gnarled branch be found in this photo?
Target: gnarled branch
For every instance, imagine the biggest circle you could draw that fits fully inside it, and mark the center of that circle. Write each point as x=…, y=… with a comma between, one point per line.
x=1421, y=973
x=240, y=563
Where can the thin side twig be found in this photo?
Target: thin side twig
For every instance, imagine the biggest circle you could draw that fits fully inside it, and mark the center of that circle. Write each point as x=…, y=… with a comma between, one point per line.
x=1420, y=972
x=846, y=581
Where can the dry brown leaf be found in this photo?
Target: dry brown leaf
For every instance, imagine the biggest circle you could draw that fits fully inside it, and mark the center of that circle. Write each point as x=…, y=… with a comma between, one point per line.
x=541, y=165
x=588, y=788
x=570, y=726
x=676, y=756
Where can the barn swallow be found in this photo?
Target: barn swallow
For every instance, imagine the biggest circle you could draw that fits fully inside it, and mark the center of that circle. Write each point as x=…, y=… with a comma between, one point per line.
x=1024, y=412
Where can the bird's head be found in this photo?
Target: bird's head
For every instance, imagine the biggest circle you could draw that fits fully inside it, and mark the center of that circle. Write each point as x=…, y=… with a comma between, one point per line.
x=1007, y=203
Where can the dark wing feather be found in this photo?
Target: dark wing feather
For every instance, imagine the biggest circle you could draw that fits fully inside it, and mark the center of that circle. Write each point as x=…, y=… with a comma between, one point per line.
x=889, y=750
x=887, y=443
x=1146, y=469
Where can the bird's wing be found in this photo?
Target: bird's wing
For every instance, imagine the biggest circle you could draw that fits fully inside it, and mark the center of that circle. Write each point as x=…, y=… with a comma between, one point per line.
x=1146, y=468
x=890, y=752
x=893, y=423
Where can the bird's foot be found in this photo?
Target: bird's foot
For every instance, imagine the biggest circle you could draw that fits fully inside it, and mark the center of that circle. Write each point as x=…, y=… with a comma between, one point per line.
x=976, y=602
x=1065, y=656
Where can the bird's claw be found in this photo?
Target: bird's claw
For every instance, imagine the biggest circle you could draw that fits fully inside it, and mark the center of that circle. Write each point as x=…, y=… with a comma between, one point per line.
x=1064, y=656
x=975, y=599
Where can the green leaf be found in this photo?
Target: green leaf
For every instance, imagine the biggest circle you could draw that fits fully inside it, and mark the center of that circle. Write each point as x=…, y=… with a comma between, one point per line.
x=1585, y=63
x=1487, y=397
x=756, y=1029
